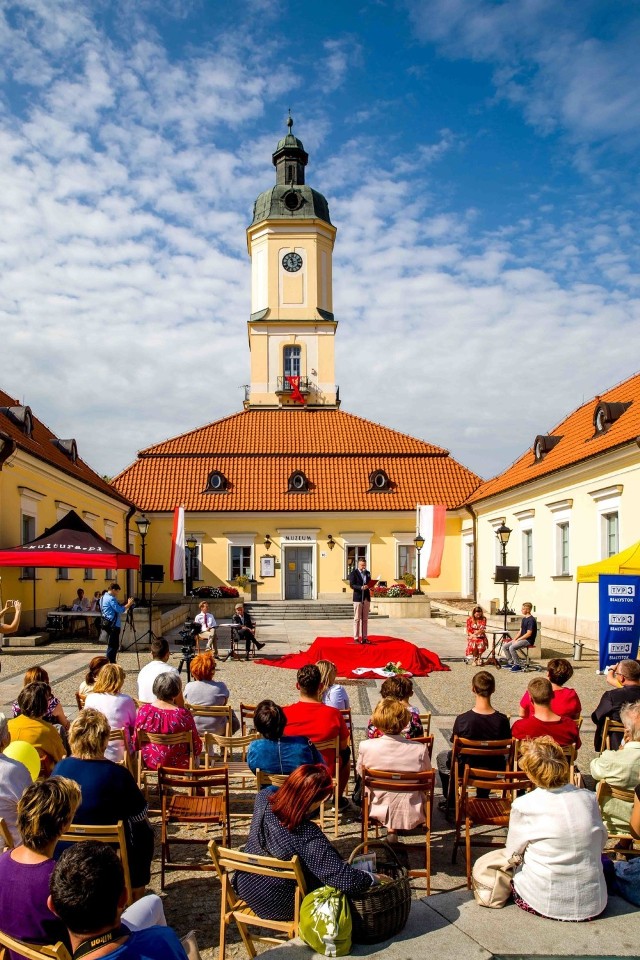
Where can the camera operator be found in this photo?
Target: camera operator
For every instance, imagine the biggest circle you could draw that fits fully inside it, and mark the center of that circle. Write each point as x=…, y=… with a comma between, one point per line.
x=158, y=665
x=110, y=624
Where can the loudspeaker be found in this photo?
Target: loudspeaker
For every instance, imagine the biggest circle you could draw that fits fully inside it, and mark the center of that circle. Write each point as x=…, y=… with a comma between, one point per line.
x=507, y=575
x=152, y=573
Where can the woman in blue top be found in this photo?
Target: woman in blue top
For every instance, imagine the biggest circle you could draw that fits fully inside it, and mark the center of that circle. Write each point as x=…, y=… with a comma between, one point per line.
x=275, y=753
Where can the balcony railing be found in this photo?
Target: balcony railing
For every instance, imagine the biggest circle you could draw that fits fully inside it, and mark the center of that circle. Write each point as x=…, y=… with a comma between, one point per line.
x=285, y=387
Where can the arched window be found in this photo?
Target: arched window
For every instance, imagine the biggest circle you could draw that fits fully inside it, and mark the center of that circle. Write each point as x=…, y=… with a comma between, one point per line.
x=292, y=361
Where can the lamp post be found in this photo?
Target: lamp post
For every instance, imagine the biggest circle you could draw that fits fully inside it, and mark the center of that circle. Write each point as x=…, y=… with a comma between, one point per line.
x=419, y=544
x=267, y=542
x=191, y=544
x=503, y=533
x=143, y=524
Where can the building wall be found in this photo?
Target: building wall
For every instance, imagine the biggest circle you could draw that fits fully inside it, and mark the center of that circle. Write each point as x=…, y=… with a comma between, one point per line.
x=380, y=534
x=582, y=496
x=32, y=488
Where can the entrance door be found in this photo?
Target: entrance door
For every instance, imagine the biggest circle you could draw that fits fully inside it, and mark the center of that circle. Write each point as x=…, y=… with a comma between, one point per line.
x=298, y=583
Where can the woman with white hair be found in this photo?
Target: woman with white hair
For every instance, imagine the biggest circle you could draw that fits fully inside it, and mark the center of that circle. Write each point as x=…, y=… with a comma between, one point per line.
x=620, y=768
x=14, y=780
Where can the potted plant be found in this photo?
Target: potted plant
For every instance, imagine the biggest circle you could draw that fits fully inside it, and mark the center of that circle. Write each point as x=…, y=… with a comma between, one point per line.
x=242, y=581
x=409, y=580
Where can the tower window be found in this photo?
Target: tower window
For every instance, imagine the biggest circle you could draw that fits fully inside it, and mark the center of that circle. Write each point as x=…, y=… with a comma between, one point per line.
x=298, y=483
x=292, y=361
x=379, y=481
x=291, y=173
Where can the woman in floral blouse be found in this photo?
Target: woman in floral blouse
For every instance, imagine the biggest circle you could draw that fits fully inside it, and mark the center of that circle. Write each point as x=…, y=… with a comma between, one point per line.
x=399, y=688
x=477, y=641
x=164, y=716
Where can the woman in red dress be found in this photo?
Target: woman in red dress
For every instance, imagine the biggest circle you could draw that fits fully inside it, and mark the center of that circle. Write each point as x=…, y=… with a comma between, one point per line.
x=164, y=716
x=477, y=641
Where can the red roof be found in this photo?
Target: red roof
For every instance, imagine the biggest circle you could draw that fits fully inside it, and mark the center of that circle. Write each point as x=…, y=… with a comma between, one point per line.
x=258, y=450
x=578, y=440
x=40, y=444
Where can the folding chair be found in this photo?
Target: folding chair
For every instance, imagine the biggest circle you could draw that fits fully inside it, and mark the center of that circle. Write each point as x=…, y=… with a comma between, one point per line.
x=605, y=792
x=30, y=951
x=569, y=751
x=233, y=908
x=247, y=711
x=223, y=712
x=111, y=833
x=332, y=745
x=428, y=739
x=163, y=739
x=119, y=736
x=178, y=806
x=474, y=750
x=425, y=720
x=269, y=779
x=610, y=726
x=391, y=781
x=486, y=811
x=238, y=769
x=6, y=840
x=346, y=714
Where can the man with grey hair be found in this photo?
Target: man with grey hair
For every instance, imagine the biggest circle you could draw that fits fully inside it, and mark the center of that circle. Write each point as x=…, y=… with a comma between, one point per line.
x=621, y=768
x=14, y=780
x=624, y=677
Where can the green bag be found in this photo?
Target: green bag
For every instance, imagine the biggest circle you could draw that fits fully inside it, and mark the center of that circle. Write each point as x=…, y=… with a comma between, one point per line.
x=325, y=922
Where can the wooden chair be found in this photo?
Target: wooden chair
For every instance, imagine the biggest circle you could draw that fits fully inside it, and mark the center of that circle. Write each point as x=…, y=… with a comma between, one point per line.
x=579, y=723
x=112, y=833
x=222, y=712
x=269, y=779
x=80, y=699
x=486, y=811
x=163, y=739
x=238, y=769
x=237, y=646
x=348, y=719
x=247, y=711
x=391, y=781
x=334, y=746
x=474, y=750
x=605, y=791
x=6, y=840
x=30, y=951
x=234, y=909
x=425, y=720
x=569, y=750
x=428, y=739
x=181, y=804
x=610, y=726
x=119, y=736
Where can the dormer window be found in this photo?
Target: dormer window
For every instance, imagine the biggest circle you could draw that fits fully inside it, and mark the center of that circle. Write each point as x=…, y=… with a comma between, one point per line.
x=216, y=482
x=298, y=483
x=543, y=444
x=379, y=482
x=68, y=447
x=606, y=414
x=21, y=416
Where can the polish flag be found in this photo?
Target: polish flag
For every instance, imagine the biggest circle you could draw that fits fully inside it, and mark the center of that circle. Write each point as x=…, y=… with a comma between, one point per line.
x=430, y=524
x=177, y=545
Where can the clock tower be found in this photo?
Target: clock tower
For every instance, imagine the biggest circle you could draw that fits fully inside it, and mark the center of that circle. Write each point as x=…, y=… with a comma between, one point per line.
x=291, y=327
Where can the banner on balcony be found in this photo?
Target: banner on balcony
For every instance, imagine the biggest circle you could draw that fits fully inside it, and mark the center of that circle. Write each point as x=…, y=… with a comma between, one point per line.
x=294, y=383
x=430, y=524
x=619, y=618
x=177, y=564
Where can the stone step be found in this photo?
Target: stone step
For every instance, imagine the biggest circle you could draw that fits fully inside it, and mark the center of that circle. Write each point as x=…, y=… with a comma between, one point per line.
x=283, y=610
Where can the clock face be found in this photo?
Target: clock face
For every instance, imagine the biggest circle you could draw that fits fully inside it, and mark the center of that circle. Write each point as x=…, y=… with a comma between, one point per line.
x=292, y=262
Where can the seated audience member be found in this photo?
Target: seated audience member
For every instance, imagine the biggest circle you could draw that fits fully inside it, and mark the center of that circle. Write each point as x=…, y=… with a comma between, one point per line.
x=109, y=793
x=147, y=676
x=81, y=603
x=30, y=725
x=94, y=605
x=95, y=666
x=45, y=810
x=392, y=751
x=333, y=694
x=119, y=709
x=558, y=831
x=620, y=768
x=525, y=639
x=275, y=753
x=55, y=713
x=166, y=715
x=6, y=629
x=209, y=626
x=625, y=679
x=281, y=828
x=14, y=780
x=204, y=691
x=565, y=702
x=311, y=718
x=477, y=641
x=246, y=629
x=399, y=688
x=543, y=722
x=482, y=722
x=88, y=895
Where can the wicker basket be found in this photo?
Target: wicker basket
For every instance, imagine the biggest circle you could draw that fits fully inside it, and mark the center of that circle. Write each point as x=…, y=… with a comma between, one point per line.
x=382, y=911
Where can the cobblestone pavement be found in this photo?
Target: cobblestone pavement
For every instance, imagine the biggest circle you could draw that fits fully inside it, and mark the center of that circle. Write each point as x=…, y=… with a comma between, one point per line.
x=192, y=899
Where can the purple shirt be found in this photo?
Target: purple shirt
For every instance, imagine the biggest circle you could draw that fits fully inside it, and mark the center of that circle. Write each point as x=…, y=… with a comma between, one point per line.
x=24, y=913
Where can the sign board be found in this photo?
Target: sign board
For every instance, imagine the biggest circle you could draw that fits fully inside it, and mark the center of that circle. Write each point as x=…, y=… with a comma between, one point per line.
x=619, y=618
x=267, y=567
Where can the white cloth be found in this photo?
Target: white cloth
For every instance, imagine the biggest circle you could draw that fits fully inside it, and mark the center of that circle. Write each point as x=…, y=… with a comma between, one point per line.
x=620, y=768
x=561, y=834
x=397, y=811
x=14, y=780
x=144, y=913
x=336, y=696
x=120, y=711
x=147, y=677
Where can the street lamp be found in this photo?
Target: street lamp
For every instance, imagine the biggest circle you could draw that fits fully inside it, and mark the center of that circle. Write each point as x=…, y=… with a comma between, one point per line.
x=143, y=524
x=503, y=533
x=191, y=544
x=419, y=544
x=267, y=542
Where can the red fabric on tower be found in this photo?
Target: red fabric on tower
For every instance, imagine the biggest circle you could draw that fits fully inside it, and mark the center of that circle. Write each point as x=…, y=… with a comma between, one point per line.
x=347, y=654
x=294, y=383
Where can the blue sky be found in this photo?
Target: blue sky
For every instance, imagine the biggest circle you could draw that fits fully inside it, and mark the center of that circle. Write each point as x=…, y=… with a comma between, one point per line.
x=479, y=159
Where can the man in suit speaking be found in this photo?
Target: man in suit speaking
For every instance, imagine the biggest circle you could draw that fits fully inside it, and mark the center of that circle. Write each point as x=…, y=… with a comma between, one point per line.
x=359, y=579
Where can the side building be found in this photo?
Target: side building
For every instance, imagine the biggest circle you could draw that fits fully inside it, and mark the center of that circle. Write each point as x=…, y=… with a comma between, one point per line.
x=42, y=477
x=570, y=500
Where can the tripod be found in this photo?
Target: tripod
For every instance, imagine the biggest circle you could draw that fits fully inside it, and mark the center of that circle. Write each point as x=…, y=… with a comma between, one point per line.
x=129, y=622
x=188, y=653
x=149, y=632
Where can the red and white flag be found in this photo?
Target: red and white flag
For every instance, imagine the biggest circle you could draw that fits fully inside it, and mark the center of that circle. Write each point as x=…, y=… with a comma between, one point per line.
x=430, y=524
x=294, y=383
x=177, y=545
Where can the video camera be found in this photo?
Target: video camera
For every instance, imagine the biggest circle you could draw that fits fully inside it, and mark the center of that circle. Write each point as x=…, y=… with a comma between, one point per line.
x=189, y=632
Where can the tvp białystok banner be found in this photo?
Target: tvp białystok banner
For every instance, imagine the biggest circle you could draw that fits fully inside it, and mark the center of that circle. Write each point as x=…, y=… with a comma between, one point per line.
x=619, y=618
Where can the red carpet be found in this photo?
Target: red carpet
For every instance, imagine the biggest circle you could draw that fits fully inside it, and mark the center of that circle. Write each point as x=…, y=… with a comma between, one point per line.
x=346, y=654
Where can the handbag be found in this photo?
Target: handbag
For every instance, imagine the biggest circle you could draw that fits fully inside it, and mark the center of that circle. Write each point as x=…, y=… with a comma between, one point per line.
x=491, y=878
x=325, y=922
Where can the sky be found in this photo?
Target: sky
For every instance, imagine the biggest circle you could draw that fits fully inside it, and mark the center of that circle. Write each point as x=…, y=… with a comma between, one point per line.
x=480, y=162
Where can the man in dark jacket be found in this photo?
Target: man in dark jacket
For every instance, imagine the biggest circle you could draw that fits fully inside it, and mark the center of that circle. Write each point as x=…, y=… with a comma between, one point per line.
x=625, y=678
x=359, y=579
x=246, y=629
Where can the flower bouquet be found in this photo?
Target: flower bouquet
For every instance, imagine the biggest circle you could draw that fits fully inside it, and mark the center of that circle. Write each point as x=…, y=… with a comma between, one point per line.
x=392, y=669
